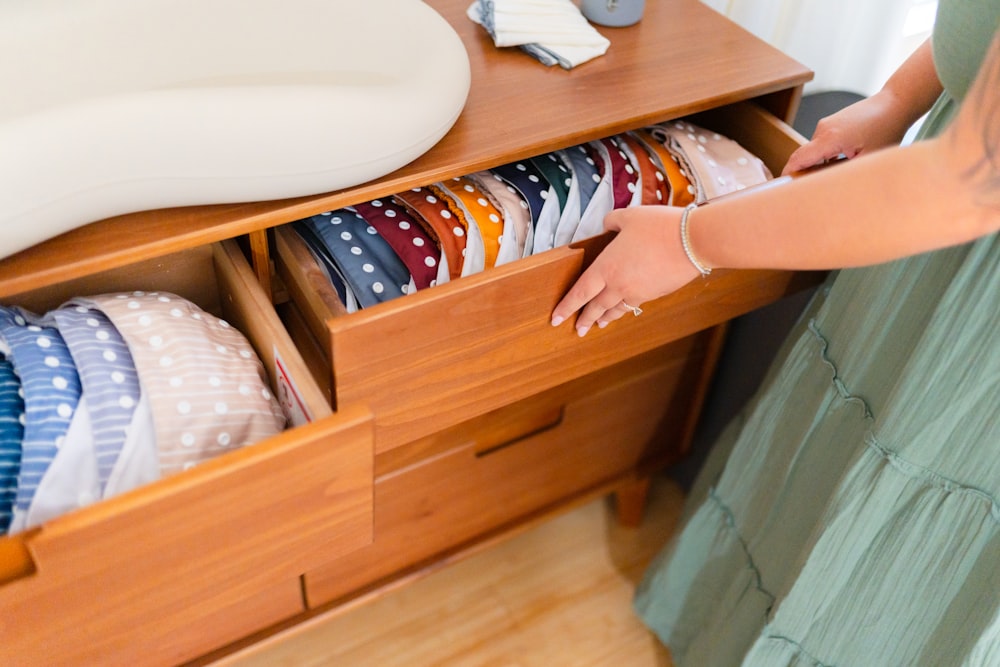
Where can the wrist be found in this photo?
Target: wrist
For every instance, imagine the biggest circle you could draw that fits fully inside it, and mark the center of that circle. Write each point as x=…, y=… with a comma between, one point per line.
x=693, y=256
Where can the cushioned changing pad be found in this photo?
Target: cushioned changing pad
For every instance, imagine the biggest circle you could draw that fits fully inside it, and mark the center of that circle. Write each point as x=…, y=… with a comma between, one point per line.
x=114, y=106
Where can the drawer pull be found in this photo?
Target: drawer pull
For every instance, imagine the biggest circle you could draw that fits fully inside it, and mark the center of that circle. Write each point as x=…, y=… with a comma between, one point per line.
x=545, y=422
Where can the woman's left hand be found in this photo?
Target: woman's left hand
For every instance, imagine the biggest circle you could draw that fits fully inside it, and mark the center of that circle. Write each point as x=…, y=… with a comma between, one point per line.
x=643, y=262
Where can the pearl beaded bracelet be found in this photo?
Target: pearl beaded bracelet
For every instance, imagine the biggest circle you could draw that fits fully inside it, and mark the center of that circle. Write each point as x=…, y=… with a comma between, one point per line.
x=686, y=241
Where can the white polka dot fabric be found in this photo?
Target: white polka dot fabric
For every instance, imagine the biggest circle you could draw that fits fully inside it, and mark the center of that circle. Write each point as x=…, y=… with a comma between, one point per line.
x=206, y=385
x=515, y=215
x=717, y=165
x=553, y=199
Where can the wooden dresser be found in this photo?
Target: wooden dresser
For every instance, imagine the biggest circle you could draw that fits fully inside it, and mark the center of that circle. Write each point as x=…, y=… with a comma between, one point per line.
x=439, y=421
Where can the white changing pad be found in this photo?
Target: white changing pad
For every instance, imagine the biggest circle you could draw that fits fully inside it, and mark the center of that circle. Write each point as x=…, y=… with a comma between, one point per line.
x=115, y=106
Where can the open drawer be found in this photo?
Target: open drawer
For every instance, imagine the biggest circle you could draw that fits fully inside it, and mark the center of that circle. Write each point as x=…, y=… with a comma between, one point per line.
x=170, y=570
x=443, y=355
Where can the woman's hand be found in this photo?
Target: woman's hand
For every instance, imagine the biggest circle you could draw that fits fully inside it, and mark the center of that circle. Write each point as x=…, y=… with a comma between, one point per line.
x=644, y=261
x=860, y=128
x=878, y=121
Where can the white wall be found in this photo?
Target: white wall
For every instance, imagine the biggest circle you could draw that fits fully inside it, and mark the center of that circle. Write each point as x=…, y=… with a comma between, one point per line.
x=850, y=44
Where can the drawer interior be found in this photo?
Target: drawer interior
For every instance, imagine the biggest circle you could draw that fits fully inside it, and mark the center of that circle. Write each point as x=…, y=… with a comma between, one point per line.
x=171, y=556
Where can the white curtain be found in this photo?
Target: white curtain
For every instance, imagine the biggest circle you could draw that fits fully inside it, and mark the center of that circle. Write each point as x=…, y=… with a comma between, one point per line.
x=850, y=44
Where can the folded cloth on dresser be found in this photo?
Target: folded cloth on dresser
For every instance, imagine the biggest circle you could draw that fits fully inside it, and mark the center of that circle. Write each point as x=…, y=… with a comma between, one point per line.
x=553, y=31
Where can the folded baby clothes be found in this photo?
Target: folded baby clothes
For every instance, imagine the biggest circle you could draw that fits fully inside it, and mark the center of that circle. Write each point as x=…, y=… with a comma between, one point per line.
x=107, y=376
x=51, y=389
x=716, y=165
x=368, y=264
x=474, y=252
x=480, y=212
x=553, y=31
x=11, y=432
x=543, y=206
x=406, y=237
x=449, y=233
x=326, y=262
x=680, y=190
x=559, y=174
x=206, y=386
x=514, y=210
x=652, y=180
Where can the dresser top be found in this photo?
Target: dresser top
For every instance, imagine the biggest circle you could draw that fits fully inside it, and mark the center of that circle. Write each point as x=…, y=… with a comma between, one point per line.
x=681, y=58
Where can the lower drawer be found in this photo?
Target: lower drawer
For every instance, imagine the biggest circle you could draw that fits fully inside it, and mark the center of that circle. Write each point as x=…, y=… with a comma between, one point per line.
x=168, y=571
x=441, y=493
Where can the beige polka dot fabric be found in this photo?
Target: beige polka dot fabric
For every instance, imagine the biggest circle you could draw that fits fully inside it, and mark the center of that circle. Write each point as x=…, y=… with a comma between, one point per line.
x=716, y=164
x=206, y=385
x=514, y=211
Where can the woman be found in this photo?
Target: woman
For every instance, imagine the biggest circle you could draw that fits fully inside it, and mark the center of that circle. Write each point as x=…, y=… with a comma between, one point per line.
x=851, y=515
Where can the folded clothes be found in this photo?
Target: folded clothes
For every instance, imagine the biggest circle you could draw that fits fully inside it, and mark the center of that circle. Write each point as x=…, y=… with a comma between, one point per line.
x=553, y=31
x=472, y=223
x=716, y=165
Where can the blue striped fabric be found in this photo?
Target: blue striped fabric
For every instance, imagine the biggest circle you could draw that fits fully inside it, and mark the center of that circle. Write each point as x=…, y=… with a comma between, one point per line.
x=51, y=393
x=11, y=433
x=107, y=375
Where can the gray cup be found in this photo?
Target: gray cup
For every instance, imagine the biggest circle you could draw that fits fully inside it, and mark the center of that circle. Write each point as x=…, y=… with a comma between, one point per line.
x=614, y=13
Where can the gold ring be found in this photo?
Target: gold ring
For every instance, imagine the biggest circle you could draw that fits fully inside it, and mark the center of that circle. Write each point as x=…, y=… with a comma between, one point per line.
x=636, y=310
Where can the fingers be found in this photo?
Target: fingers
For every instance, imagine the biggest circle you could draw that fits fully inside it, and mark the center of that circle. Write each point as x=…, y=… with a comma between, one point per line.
x=614, y=219
x=621, y=271
x=602, y=310
x=807, y=156
x=586, y=288
x=596, y=302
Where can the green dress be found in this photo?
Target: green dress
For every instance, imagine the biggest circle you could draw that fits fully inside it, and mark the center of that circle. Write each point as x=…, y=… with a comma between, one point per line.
x=850, y=515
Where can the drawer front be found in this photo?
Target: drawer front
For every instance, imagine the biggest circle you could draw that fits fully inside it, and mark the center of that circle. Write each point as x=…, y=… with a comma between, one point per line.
x=438, y=494
x=169, y=570
x=432, y=359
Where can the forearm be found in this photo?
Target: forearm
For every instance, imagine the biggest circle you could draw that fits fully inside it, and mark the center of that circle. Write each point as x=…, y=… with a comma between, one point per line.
x=913, y=87
x=851, y=214
x=890, y=203
x=877, y=121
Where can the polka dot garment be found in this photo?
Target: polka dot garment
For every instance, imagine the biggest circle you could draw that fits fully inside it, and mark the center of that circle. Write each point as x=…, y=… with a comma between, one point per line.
x=407, y=238
x=651, y=177
x=530, y=184
x=371, y=268
x=585, y=169
x=206, y=385
x=51, y=388
x=716, y=164
x=474, y=253
x=440, y=223
x=513, y=211
x=107, y=375
x=624, y=177
x=681, y=189
x=478, y=209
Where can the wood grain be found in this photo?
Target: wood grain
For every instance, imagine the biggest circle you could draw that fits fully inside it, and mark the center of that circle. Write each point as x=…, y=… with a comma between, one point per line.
x=557, y=594
x=680, y=59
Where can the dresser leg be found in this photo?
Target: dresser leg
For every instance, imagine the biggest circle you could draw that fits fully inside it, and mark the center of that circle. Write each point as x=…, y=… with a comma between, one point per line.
x=630, y=500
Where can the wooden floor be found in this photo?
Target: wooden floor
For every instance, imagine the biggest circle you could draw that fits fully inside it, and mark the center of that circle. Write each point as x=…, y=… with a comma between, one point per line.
x=558, y=594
